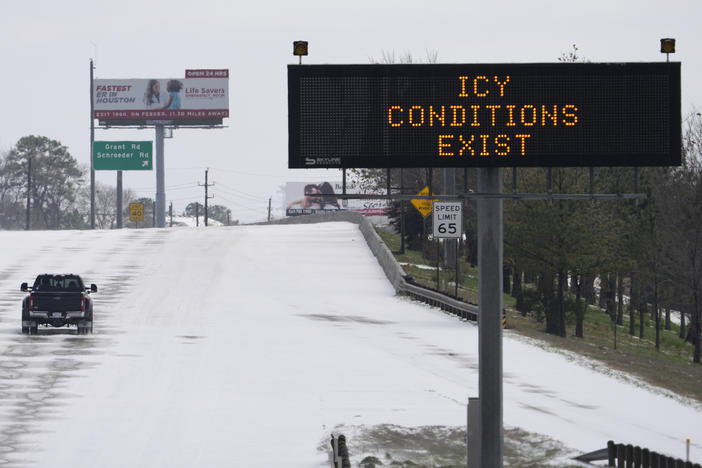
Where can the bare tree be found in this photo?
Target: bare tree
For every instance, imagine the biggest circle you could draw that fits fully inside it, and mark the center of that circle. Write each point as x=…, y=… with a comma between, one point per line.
x=106, y=205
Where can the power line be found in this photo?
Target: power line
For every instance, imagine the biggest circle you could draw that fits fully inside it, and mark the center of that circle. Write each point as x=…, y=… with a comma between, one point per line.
x=265, y=175
x=259, y=210
x=240, y=194
x=189, y=184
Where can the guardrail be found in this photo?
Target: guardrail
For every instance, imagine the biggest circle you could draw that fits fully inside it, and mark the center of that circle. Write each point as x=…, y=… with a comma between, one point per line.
x=621, y=456
x=394, y=272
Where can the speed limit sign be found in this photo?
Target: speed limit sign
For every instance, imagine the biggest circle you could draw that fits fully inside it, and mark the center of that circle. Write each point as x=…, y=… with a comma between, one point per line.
x=448, y=219
x=136, y=212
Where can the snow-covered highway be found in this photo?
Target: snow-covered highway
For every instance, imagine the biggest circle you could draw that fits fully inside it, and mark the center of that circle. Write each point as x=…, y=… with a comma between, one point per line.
x=246, y=346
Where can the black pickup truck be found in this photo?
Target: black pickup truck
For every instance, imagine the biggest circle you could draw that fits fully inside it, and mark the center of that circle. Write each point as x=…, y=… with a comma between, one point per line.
x=59, y=301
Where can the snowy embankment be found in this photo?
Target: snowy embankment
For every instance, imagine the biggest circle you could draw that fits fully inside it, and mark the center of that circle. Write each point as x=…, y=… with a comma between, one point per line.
x=246, y=346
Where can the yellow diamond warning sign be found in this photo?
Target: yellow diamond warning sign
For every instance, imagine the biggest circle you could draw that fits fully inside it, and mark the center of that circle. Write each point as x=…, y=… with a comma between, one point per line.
x=424, y=206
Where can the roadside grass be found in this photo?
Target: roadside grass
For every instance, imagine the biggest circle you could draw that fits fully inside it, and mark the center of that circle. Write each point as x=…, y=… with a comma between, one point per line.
x=670, y=367
x=442, y=447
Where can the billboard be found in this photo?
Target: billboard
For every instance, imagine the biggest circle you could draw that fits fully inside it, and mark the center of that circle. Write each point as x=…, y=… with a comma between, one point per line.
x=201, y=98
x=302, y=198
x=484, y=115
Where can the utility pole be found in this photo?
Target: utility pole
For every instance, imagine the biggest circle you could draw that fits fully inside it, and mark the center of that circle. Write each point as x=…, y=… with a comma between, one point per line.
x=170, y=213
x=92, y=139
x=29, y=191
x=197, y=214
x=153, y=214
x=206, y=185
x=269, y=208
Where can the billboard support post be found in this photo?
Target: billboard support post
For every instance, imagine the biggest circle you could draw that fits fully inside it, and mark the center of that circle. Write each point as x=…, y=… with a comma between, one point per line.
x=119, y=200
x=160, y=213
x=490, y=257
x=92, y=139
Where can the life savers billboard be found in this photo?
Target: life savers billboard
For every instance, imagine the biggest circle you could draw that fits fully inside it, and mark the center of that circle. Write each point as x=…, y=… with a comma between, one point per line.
x=201, y=98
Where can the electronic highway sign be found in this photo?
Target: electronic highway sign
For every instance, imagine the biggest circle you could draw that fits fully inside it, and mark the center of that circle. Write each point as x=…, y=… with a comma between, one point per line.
x=484, y=115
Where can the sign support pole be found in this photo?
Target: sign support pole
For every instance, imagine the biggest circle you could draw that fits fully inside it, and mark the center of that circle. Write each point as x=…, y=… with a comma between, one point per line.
x=438, y=262
x=490, y=256
x=402, y=211
x=119, y=200
x=160, y=213
x=458, y=248
x=449, y=189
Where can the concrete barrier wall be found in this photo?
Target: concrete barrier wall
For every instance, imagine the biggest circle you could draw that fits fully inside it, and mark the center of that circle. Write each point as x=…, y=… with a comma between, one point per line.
x=333, y=216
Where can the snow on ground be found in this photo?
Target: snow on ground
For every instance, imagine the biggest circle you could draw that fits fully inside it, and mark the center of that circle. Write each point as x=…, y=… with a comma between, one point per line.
x=247, y=345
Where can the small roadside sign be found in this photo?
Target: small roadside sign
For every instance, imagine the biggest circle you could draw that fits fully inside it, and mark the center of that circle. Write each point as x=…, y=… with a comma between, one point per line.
x=423, y=206
x=123, y=155
x=448, y=220
x=136, y=212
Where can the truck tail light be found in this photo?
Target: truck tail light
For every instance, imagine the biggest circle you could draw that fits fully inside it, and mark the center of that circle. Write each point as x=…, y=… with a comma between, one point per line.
x=82, y=302
x=31, y=302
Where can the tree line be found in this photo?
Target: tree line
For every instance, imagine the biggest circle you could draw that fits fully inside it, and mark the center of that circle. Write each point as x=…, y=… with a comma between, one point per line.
x=40, y=172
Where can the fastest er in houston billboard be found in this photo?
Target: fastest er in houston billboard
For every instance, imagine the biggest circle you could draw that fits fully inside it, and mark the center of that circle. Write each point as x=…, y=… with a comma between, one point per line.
x=201, y=98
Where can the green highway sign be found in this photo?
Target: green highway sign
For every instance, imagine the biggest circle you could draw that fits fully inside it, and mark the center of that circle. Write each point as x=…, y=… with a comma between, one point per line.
x=123, y=155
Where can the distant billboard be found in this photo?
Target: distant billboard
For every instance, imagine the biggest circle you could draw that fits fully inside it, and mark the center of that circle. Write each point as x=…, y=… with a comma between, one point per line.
x=201, y=98
x=302, y=198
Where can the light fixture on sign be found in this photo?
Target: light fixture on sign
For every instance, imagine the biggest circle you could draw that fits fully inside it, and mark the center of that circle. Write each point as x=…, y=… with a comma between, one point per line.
x=667, y=47
x=300, y=49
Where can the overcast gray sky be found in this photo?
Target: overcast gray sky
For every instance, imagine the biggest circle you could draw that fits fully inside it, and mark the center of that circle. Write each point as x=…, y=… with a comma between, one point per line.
x=46, y=47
